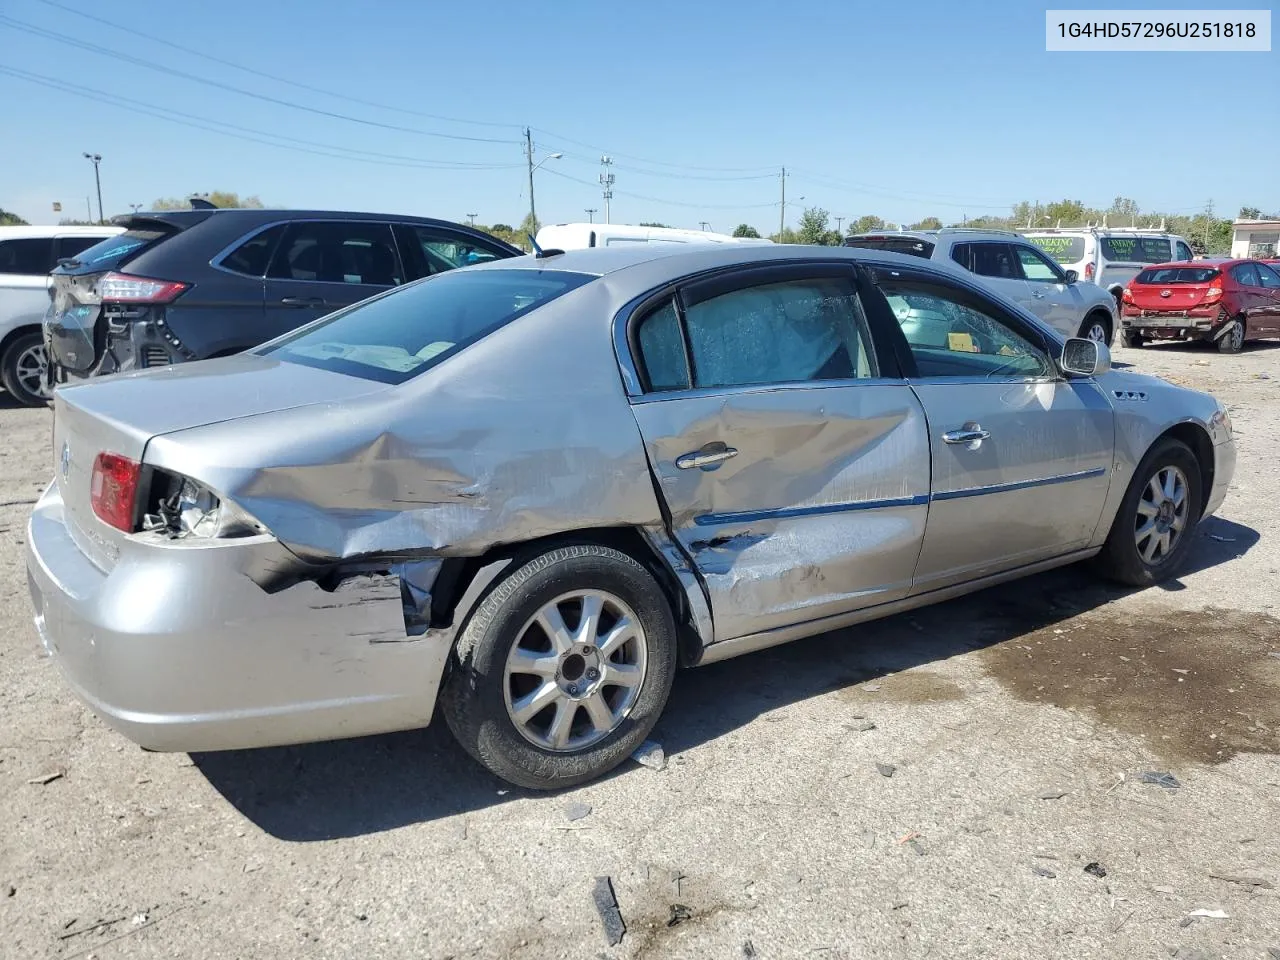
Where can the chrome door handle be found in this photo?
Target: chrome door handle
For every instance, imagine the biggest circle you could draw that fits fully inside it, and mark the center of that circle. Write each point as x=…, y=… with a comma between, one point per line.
x=970, y=433
x=1038, y=296
x=708, y=457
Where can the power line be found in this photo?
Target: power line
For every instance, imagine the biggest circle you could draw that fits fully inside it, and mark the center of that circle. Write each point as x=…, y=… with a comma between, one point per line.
x=249, y=133
x=137, y=61
x=670, y=203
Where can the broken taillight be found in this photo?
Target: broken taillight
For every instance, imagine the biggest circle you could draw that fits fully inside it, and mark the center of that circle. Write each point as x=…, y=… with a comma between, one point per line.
x=1088, y=271
x=113, y=489
x=1126, y=296
x=1211, y=296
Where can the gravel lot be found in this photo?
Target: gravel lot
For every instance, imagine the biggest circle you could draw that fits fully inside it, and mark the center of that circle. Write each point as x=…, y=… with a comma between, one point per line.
x=1019, y=723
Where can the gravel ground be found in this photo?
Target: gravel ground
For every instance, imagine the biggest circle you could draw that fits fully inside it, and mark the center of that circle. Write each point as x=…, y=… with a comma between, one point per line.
x=1011, y=730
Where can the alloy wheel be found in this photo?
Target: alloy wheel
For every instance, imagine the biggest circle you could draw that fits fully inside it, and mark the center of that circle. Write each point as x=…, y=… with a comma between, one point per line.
x=31, y=368
x=575, y=670
x=1097, y=332
x=1162, y=515
x=1236, y=335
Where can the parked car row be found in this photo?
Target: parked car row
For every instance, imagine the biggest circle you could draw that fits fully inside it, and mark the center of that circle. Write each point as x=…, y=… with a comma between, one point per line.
x=528, y=490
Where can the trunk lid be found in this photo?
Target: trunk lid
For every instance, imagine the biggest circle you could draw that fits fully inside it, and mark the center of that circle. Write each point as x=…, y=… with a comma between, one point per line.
x=1173, y=289
x=122, y=414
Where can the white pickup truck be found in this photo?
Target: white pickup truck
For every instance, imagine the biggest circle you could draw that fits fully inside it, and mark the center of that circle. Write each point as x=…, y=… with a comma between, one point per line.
x=27, y=254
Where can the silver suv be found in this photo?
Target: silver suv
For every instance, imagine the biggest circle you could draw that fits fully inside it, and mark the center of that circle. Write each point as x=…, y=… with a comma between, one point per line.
x=1013, y=266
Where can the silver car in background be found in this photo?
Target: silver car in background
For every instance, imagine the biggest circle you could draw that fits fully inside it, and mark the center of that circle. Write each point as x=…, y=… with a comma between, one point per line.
x=527, y=491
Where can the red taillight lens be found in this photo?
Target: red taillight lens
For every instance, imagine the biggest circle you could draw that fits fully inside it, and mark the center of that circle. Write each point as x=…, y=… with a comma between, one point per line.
x=1088, y=271
x=113, y=489
x=1211, y=296
x=1126, y=296
x=123, y=288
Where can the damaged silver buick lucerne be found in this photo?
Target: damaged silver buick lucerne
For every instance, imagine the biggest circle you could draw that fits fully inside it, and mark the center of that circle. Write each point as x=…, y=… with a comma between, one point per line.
x=529, y=490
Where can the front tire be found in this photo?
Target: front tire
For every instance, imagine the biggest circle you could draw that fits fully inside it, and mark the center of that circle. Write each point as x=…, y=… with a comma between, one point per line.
x=1096, y=327
x=563, y=668
x=1233, y=340
x=1155, y=525
x=22, y=370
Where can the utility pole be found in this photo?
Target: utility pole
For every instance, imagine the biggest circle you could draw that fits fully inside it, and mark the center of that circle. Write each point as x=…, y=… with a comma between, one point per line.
x=97, y=159
x=839, y=220
x=782, y=214
x=471, y=219
x=88, y=209
x=591, y=214
x=606, y=185
x=528, y=152
x=704, y=225
x=1208, y=220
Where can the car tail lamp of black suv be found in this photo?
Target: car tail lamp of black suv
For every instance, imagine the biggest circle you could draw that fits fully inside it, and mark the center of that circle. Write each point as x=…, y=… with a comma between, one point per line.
x=195, y=284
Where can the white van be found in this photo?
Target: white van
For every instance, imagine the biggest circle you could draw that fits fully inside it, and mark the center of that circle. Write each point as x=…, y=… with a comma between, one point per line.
x=579, y=236
x=1109, y=256
x=27, y=254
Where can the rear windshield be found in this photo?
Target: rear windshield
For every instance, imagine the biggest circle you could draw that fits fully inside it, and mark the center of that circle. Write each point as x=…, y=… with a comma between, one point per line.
x=112, y=252
x=1136, y=249
x=397, y=336
x=912, y=245
x=1063, y=249
x=1177, y=275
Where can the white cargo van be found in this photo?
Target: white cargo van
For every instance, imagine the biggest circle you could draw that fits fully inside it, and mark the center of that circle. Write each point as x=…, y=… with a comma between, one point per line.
x=1109, y=256
x=579, y=236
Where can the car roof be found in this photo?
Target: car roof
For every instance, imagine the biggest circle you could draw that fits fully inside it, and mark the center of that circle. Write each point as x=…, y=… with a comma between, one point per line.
x=254, y=215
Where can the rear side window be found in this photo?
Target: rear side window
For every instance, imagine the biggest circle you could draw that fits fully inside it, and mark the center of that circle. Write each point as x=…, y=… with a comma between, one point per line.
x=1062, y=249
x=254, y=254
x=114, y=251
x=427, y=251
x=995, y=260
x=397, y=336
x=68, y=247
x=338, y=252
x=1171, y=275
x=1136, y=249
x=26, y=256
x=914, y=246
x=1184, y=252
x=1247, y=274
x=661, y=342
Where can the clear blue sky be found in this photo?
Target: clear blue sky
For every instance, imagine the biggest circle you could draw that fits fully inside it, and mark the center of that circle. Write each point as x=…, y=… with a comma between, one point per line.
x=902, y=109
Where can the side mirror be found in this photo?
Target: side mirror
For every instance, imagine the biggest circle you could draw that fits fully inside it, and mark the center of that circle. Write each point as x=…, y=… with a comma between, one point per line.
x=1072, y=276
x=1084, y=358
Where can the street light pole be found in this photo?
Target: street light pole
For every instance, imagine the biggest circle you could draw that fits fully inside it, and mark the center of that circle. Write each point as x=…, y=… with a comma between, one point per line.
x=528, y=153
x=471, y=219
x=591, y=214
x=97, y=159
x=135, y=207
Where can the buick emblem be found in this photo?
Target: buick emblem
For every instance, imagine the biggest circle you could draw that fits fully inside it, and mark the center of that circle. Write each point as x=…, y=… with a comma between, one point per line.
x=1166, y=293
x=65, y=460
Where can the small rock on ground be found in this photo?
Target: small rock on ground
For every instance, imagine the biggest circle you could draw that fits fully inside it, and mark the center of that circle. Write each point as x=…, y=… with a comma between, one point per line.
x=886, y=769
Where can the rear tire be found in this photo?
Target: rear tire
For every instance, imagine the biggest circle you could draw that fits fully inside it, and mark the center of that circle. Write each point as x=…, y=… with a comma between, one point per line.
x=1131, y=338
x=22, y=369
x=1233, y=340
x=506, y=662
x=1132, y=554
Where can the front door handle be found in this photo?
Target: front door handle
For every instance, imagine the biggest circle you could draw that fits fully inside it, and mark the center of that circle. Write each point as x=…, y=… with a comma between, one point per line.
x=303, y=301
x=708, y=458
x=971, y=434
x=1038, y=296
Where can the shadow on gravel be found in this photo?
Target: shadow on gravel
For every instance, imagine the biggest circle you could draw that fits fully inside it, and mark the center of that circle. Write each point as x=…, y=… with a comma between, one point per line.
x=353, y=787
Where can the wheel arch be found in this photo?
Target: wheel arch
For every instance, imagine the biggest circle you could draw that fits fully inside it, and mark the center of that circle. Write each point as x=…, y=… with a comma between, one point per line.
x=1197, y=438
x=464, y=581
x=7, y=340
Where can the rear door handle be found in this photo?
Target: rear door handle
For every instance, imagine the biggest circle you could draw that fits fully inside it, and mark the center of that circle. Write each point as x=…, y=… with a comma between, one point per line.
x=1038, y=296
x=971, y=434
x=708, y=458
x=303, y=301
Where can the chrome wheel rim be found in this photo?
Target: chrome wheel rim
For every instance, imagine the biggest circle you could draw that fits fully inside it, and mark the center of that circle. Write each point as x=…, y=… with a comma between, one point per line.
x=1097, y=332
x=30, y=369
x=1237, y=335
x=575, y=671
x=1162, y=515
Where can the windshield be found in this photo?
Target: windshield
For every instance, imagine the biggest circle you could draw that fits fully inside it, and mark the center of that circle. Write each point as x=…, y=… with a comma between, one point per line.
x=1063, y=249
x=394, y=337
x=1170, y=275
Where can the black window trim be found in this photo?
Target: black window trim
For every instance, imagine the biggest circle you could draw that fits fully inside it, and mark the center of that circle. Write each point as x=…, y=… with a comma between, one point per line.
x=721, y=280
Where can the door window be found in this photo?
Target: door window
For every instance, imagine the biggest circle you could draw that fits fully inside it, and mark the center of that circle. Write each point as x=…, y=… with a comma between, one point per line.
x=1184, y=252
x=995, y=260
x=1036, y=266
x=253, y=255
x=26, y=256
x=1247, y=274
x=427, y=251
x=952, y=336
x=338, y=252
x=1267, y=277
x=786, y=332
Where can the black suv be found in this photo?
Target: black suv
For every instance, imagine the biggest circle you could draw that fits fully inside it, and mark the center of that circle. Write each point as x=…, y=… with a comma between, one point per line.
x=194, y=284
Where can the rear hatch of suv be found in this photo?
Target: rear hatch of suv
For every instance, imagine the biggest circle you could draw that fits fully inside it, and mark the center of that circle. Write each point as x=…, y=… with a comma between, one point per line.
x=95, y=292
x=1174, y=290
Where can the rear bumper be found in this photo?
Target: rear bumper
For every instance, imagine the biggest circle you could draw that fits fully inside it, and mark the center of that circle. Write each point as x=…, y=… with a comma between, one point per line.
x=179, y=649
x=1190, y=325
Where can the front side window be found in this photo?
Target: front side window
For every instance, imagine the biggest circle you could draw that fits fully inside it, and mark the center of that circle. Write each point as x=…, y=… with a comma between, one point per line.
x=995, y=260
x=26, y=256
x=253, y=255
x=1267, y=277
x=952, y=337
x=1036, y=266
x=397, y=336
x=797, y=330
x=338, y=252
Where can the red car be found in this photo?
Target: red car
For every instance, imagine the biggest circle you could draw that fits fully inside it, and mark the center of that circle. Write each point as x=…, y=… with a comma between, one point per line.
x=1225, y=302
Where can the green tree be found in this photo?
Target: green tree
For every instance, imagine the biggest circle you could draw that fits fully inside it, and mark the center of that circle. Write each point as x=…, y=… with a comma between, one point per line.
x=222, y=199
x=529, y=226
x=664, y=226
x=866, y=224
x=1122, y=208
x=746, y=230
x=1066, y=212
x=786, y=236
x=813, y=227
x=928, y=223
x=8, y=219
x=1250, y=213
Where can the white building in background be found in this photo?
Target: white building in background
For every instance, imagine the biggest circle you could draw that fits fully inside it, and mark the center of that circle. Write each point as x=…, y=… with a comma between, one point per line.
x=1259, y=239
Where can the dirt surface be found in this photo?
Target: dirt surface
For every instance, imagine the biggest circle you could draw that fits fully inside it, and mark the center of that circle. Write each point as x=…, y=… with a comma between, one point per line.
x=933, y=785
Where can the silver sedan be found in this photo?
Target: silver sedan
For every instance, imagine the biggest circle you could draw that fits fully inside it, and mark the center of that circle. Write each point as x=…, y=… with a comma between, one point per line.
x=528, y=491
